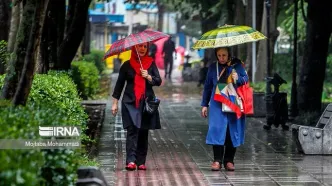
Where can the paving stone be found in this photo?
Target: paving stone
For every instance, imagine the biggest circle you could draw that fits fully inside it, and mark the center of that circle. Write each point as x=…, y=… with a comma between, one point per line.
x=178, y=154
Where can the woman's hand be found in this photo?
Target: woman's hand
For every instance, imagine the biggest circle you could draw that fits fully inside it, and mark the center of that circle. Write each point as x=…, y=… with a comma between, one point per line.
x=115, y=107
x=235, y=76
x=204, y=112
x=146, y=75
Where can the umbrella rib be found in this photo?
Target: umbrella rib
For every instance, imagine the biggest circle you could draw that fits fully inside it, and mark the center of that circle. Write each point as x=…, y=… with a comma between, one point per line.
x=132, y=40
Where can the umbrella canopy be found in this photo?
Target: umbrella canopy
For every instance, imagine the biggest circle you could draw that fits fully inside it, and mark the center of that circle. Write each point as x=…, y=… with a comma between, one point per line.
x=228, y=35
x=159, y=59
x=134, y=39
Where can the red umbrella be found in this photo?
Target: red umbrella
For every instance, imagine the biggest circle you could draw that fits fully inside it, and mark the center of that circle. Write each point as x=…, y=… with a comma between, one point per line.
x=126, y=43
x=159, y=59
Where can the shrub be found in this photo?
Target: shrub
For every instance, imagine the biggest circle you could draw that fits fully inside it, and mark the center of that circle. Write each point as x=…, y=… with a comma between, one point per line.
x=58, y=90
x=53, y=100
x=326, y=95
x=328, y=75
x=3, y=52
x=85, y=76
x=23, y=166
x=96, y=56
x=2, y=78
x=28, y=166
x=282, y=64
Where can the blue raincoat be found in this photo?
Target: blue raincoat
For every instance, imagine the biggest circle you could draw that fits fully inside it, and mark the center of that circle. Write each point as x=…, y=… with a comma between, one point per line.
x=218, y=120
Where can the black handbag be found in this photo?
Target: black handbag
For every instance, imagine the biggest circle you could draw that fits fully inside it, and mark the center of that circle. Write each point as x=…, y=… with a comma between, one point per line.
x=151, y=105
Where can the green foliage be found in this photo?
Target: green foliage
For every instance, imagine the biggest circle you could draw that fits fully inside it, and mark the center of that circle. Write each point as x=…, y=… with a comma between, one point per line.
x=85, y=76
x=22, y=167
x=53, y=100
x=58, y=90
x=282, y=64
x=326, y=96
x=328, y=76
x=19, y=166
x=4, y=103
x=4, y=55
x=2, y=79
x=84, y=160
x=288, y=21
x=96, y=56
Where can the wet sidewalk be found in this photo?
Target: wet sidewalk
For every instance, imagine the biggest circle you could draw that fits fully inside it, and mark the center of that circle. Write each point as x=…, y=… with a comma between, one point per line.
x=178, y=154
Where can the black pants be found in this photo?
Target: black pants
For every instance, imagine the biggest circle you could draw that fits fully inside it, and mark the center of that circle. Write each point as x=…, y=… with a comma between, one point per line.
x=168, y=65
x=136, y=145
x=224, y=153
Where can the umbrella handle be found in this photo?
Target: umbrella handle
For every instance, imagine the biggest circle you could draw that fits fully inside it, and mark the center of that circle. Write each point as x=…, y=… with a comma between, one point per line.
x=139, y=59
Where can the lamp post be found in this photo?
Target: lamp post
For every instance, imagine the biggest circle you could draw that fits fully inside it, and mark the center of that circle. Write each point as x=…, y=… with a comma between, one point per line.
x=254, y=43
x=268, y=96
x=268, y=68
x=293, y=106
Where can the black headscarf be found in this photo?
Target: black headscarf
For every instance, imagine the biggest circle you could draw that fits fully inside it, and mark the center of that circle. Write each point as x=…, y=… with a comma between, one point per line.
x=231, y=61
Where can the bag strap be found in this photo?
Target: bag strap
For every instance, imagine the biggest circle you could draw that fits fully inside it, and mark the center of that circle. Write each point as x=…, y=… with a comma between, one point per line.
x=223, y=70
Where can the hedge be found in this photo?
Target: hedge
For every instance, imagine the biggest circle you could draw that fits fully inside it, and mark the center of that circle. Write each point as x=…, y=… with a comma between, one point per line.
x=53, y=100
x=86, y=77
x=96, y=57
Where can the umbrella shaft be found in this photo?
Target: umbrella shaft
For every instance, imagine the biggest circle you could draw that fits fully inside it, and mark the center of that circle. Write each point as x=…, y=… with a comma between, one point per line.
x=139, y=59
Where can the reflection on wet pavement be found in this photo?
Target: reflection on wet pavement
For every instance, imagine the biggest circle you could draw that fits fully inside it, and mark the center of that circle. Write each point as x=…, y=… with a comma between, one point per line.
x=178, y=154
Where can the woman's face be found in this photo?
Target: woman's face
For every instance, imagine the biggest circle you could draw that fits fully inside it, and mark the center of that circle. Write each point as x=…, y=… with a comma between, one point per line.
x=142, y=49
x=222, y=55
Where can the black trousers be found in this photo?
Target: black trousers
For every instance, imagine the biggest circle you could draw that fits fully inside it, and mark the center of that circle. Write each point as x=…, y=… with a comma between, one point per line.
x=136, y=145
x=168, y=65
x=224, y=153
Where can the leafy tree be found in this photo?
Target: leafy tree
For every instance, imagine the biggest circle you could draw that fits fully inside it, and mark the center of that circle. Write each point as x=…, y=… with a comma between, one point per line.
x=288, y=23
x=16, y=61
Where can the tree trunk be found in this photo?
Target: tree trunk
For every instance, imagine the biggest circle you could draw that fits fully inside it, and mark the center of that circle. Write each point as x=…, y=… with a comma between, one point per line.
x=70, y=15
x=4, y=19
x=259, y=15
x=42, y=64
x=248, y=60
x=239, y=19
x=161, y=11
x=60, y=20
x=16, y=61
x=4, y=26
x=55, y=25
x=24, y=86
x=261, y=55
x=14, y=23
x=209, y=23
x=261, y=71
x=74, y=36
x=313, y=67
x=86, y=40
x=274, y=33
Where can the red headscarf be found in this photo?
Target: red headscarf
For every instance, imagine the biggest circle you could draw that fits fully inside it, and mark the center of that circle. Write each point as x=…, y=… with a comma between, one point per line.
x=139, y=81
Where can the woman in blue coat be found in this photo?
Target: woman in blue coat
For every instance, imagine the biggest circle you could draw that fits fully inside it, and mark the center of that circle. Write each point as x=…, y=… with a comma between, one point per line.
x=226, y=130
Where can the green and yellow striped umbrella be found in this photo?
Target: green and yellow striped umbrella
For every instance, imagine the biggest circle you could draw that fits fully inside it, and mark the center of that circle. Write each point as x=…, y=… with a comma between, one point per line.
x=228, y=35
